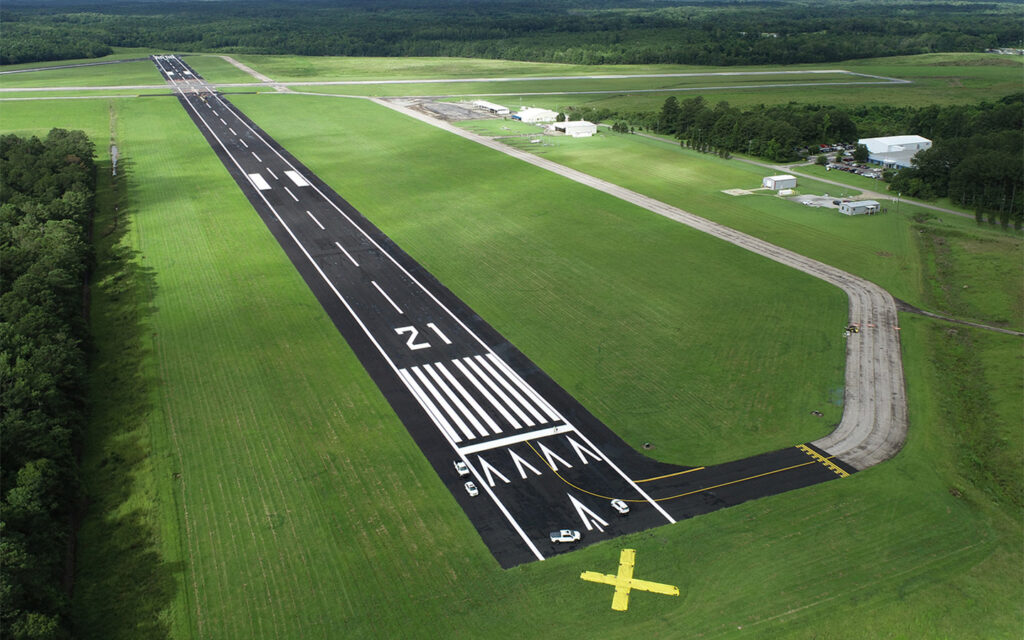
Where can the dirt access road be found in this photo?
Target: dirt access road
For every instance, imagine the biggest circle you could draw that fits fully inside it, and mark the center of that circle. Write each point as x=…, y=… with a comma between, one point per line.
x=874, y=424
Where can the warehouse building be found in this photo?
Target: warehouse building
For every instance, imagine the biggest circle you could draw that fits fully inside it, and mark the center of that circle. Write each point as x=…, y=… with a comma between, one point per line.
x=496, y=109
x=534, y=114
x=777, y=183
x=860, y=207
x=894, y=151
x=575, y=128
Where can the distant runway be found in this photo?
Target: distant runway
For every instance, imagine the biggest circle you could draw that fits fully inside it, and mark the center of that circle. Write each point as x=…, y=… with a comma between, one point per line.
x=538, y=460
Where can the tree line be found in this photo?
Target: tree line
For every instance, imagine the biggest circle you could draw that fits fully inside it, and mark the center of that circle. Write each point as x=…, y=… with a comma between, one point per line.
x=569, y=31
x=47, y=192
x=977, y=156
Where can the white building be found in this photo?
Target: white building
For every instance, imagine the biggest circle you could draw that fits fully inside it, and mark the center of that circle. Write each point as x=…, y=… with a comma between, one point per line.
x=894, y=151
x=575, y=128
x=496, y=109
x=534, y=114
x=859, y=207
x=779, y=182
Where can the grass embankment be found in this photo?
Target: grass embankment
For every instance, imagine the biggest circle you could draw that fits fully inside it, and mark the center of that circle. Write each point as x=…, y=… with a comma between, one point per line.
x=304, y=510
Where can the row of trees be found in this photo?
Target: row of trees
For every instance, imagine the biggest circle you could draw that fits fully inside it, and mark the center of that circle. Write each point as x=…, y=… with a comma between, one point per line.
x=46, y=201
x=593, y=32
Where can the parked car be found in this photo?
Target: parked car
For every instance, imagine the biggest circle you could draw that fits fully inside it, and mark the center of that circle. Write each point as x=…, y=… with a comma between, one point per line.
x=620, y=506
x=471, y=489
x=461, y=468
x=565, y=535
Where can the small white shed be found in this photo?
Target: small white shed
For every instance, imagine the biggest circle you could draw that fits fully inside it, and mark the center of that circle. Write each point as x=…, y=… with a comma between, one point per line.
x=860, y=207
x=779, y=182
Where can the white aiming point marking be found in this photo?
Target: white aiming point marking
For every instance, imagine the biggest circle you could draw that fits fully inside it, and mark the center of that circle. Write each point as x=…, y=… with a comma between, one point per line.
x=259, y=182
x=297, y=178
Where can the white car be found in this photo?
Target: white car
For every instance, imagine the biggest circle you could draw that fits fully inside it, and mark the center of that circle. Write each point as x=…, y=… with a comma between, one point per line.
x=565, y=535
x=471, y=489
x=461, y=468
x=620, y=506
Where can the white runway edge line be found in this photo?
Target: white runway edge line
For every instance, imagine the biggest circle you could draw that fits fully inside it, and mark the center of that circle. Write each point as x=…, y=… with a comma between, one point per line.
x=429, y=294
x=501, y=506
x=874, y=424
x=386, y=296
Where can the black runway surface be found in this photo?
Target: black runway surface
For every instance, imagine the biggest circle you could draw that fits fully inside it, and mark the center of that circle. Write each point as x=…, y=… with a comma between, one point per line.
x=539, y=460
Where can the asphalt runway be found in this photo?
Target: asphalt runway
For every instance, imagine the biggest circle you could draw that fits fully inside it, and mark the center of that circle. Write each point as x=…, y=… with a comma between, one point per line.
x=540, y=461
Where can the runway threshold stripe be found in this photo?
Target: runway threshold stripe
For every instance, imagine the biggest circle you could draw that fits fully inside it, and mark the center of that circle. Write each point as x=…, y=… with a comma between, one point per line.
x=519, y=437
x=315, y=220
x=455, y=384
x=487, y=394
x=501, y=394
x=383, y=293
x=347, y=255
x=425, y=382
x=497, y=376
x=428, y=406
x=527, y=389
x=456, y=400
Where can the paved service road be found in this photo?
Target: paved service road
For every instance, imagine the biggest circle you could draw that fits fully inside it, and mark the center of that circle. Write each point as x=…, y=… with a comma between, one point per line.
x=538, y=459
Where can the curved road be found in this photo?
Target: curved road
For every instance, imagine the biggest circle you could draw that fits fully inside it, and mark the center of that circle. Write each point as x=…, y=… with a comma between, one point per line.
x=874, y=424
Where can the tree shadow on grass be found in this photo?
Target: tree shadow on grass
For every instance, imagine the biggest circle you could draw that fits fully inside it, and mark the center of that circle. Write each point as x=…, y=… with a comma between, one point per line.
x=123, y=588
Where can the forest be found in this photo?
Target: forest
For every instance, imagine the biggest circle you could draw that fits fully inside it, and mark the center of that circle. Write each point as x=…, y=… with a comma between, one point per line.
x=47, y=191
x=701, y=32
x=977, y=157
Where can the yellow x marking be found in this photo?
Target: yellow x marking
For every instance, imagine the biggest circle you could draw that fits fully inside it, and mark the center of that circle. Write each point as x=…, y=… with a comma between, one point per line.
x=624, y=581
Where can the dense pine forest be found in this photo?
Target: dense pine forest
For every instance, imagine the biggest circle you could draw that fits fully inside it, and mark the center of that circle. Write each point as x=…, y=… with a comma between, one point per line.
x=573, y=31
x=46, y=202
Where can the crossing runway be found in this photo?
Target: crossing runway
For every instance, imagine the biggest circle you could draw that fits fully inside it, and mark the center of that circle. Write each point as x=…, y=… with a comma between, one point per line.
x=539, y=460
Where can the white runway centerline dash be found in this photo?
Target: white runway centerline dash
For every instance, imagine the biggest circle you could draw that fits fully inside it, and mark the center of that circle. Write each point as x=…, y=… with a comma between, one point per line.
x=290, y=193
x=274, y=175
x=386, y=296
x=243, y=143
x=315, y=220
x=347, y=254
x=255, y=156
x=232, y=131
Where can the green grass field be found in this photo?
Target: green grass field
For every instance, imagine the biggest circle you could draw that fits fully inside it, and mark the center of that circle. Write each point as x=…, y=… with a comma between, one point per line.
x=125, y=73
x=258, y=485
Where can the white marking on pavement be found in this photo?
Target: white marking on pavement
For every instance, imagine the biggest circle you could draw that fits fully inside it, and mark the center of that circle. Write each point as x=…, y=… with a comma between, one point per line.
x=272, y=173
x=488, y=469
x=520, y=463
x=519, y=437
x=582, y=451
x=255, y=156
x=243, y=143
x=315, y=220
x=374, y=283
x=587, y=516
x=215, y=112
x=428, y=406
x=479, y=387
x=501, y=394
x=530, y=391
x=290, y=193
x=549, y=454
x=469, y=398
x=483, y=360
x=223, y=123
x=297, y=178
x=438, y=332
x=441, y=401
x=232, y=131
x=456, y=400
x=259, y=181
x=347, y=255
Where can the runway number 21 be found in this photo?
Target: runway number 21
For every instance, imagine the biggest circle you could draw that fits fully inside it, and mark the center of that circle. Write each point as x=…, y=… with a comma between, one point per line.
x=412, y=333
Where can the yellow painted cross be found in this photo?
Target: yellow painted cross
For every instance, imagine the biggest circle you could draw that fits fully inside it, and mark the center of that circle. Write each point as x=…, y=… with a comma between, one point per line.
x=624, y=582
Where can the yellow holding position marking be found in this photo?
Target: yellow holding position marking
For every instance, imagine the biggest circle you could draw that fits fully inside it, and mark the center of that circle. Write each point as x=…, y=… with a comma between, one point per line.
x=823, y=460
x=624, y=581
